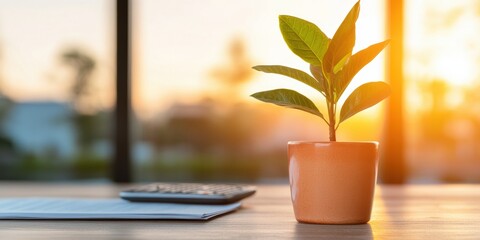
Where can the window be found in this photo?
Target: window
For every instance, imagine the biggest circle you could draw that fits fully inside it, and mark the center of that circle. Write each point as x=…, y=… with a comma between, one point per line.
x=193, y=119
x=192, y=79
x=442, y=82
x=56, y=88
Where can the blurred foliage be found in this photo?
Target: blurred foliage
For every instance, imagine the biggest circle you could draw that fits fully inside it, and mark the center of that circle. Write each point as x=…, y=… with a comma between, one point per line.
x=216, y=143
x=215, y=138
x=211, y=168
x=449, y=134
x=89, y=166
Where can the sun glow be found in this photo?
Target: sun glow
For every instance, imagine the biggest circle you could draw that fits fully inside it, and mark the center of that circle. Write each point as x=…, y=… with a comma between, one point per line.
x=456, y=68
x=445, y=45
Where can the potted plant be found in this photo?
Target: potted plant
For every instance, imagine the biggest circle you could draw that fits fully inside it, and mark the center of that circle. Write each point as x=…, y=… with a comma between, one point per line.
x=331, y=182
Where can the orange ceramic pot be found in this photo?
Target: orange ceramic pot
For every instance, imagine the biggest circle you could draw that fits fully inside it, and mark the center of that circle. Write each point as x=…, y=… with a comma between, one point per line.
x=332, y=182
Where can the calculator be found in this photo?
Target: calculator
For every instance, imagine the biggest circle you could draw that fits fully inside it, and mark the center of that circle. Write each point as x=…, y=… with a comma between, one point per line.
x=194, y=193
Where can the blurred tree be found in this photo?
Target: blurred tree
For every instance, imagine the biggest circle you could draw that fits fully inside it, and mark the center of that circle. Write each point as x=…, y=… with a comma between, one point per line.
x=7, y=146
x=436, y=117
x=236, y=72
x=91, y=125
x=83, y=65
x=85, y=121
x=5, y=102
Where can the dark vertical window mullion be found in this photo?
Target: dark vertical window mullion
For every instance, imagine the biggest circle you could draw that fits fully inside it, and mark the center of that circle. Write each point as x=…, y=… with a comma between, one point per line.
x=393, y=166
x=121, y=157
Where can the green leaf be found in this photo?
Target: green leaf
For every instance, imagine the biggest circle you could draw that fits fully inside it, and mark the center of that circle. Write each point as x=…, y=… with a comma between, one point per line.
x=318, y=75
x=288, y=98
x=304, y=38
x=355, y=64
x=342, y=42
x=339, y=66
x=293, y=73
x=364, y=97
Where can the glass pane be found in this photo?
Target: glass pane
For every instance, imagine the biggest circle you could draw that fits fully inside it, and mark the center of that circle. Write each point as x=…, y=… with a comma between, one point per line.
x=443, y=80
x=192, y=79
x=56, y=88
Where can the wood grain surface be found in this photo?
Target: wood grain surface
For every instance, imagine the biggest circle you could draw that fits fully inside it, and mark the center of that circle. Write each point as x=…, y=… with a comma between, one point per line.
x=400, y=212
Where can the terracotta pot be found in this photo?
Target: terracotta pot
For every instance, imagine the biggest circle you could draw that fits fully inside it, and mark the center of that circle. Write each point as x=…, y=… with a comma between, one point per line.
x=332, y=182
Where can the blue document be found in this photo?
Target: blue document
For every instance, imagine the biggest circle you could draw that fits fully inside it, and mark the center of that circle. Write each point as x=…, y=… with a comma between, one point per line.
x=75, y=208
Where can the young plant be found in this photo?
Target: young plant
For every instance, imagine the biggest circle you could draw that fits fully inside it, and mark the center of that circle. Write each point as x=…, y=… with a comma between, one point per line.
x=333, y=67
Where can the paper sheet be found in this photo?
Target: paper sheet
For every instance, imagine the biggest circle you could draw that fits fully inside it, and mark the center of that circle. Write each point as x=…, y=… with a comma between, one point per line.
x=70, y=208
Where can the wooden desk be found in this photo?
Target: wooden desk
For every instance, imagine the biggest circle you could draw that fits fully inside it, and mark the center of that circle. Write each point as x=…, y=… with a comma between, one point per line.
x=400, y=212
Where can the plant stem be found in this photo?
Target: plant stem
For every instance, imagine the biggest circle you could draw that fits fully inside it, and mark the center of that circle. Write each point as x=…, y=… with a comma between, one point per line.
x=331, y=115
x=332, y=109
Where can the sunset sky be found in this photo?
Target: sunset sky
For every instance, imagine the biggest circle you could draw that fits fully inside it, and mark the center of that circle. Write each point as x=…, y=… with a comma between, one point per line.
x=33, y=34
x=176, y=44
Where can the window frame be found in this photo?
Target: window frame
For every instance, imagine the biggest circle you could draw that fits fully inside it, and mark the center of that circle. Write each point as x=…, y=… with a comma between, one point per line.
x=121, y=162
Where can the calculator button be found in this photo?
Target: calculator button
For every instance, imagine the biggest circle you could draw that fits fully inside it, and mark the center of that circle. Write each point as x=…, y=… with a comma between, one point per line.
x=189, y=193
